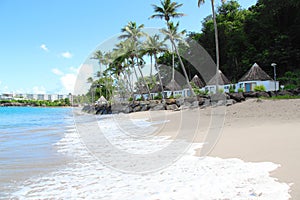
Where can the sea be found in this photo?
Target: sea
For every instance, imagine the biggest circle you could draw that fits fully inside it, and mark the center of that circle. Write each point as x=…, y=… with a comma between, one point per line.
x=43, y=157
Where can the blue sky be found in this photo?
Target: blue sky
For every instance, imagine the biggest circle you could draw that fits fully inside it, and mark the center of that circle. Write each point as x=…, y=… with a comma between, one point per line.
x=44, y=43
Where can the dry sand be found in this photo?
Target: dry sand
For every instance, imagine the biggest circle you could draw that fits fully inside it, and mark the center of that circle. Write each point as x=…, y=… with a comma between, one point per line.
x=254, y=131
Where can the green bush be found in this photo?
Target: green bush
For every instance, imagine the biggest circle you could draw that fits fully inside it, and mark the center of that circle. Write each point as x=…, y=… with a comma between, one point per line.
x=260, y=88
x=221, y=90
x=232, y=89
x=177, y=96
x=130, y=99
x=240, y=90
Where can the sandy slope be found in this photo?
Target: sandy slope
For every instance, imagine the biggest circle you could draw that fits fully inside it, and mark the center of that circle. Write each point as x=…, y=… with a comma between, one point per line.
x=254, y=131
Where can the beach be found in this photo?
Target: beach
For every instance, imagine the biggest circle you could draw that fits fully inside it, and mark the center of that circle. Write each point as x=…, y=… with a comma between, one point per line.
x=258, y=131
x=252, y=156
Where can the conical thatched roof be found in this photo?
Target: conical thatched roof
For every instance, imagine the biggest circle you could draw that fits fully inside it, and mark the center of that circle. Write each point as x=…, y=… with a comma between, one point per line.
x=198, y=82
x=157, y=88
x=102, y=100
x=255, y=74
x=173, y=86
x=223, y=80
x=142, y=89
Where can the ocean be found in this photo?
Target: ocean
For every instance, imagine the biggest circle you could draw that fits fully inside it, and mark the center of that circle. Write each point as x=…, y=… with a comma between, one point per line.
x=42, y=156
x=27, y=143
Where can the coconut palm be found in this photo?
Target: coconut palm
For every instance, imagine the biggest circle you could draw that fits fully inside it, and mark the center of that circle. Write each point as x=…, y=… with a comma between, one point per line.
x=132, y=33
x=216, y=36
x=175, y=37
x=99, y=55
x=152, y=46
x=166, y=11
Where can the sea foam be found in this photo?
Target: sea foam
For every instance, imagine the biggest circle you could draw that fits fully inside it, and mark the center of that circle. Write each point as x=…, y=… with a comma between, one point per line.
x=190, y=177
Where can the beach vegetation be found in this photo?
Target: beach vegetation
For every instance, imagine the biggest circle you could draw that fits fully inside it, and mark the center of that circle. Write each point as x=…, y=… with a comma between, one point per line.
x=260, y=88
x=241, y=90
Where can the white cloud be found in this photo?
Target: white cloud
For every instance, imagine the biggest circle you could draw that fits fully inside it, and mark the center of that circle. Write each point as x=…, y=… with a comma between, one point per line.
x=44, y=47
x=66, y=54
x=39, y=90
x=57, y=72
x=68, y=82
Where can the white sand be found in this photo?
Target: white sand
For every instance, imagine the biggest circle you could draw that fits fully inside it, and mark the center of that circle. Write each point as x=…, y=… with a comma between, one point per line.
x=256, y=139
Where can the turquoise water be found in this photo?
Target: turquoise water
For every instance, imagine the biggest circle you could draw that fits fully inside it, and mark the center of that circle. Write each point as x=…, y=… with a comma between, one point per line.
x=27, y=142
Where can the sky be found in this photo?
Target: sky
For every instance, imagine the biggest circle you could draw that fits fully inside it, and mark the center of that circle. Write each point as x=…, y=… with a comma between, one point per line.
x=43, y=44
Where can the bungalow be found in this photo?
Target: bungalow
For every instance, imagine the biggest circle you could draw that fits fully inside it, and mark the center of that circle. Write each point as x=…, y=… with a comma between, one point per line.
x=255, y=77
x=223, y=82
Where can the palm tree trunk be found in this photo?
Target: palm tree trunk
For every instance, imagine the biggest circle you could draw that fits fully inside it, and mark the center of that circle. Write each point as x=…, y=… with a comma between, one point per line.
x=183, y=69
x=217, y=45
x=173, y=68
x=159, y=76
x=146, y=84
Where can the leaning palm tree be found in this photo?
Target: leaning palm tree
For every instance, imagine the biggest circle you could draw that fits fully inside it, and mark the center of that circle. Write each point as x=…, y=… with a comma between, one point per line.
x=174, y=36
x=132, y=33
x=216, y=37
x=166, y=11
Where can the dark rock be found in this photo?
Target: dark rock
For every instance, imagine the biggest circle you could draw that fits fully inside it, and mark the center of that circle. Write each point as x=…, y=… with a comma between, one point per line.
x=179, y=102
x=250, y=94
x=271, y=93
x=285, y=93
x=158, y=107
x=170, y=101
x=172, y=107
x=238, y=97
x=195, y=104
x=263, y=94
x=137, y=109
x=201, y=101
x=190, y=99
x=230, y=102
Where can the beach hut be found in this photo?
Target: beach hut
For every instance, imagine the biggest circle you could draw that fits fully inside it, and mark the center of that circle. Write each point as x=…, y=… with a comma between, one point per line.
x=101, y=101
x=156, y=90
x=255, y=77
x=198, y=82
x=173, y=86
x=223, y=83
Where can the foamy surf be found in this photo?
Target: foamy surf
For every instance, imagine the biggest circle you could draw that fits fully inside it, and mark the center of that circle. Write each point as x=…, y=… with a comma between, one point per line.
x=190, y=177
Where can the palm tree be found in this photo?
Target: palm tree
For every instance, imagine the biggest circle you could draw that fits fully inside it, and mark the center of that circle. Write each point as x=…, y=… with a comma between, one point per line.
x=152, y=47
x=216, y=37
x=166, y=11
x=98, y=55
x=173, y=35
x=132, y=33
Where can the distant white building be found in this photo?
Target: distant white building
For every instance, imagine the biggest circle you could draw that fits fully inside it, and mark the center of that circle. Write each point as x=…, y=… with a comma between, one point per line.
x=256, y=77
x=45, y=97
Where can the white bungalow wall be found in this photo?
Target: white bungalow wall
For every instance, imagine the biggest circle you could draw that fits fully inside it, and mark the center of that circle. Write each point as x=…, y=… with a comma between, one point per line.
x=249, y=85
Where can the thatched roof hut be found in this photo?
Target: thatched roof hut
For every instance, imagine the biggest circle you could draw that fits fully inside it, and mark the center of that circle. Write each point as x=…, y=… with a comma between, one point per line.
x=173, y=86
x=255, y=74
x=198, y=82
x=222, y=79
x=102, y=100
x=157, y=88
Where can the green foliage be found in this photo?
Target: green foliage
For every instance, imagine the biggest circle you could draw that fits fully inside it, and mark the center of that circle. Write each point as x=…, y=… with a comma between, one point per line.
x=62, y=102
x=290, y=80
x=232, y=89
x=139, y=99
x=221, y=90
x=158, y=96
x=260, y=88
x=240, y=90
x=130, y=99
x=177, y=96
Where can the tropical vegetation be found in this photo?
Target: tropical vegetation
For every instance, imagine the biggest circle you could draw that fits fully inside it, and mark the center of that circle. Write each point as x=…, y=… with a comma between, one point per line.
x=235, y=38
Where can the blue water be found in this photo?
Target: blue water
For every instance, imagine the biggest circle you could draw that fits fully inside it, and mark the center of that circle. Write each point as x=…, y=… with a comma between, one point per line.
x=27, y=142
